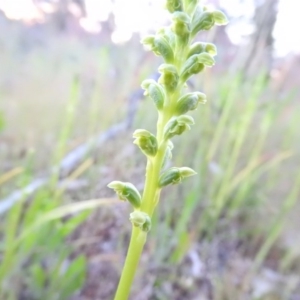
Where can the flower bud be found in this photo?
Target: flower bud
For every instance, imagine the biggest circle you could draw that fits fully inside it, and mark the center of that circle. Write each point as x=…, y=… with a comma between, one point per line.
x=200, y=47
x=206, y=59
x=178, y=125
x=126, y=191
x=196, y=64
x=168, y=35
x=175, y=175
x=196, y=48
x=160, y=46
x=164, y=48
x=155, y=91
x=189, y=102
x=181, y=24
x=173, y=5
x=148, y=41
x=169, y=77
x=203, y=21
x=146, y=141
x=190, y=67
x=211, y=49
x=220, y=18
x=141, y=220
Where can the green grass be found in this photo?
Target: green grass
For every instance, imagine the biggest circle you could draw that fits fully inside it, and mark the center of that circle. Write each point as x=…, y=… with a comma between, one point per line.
x=246, y=154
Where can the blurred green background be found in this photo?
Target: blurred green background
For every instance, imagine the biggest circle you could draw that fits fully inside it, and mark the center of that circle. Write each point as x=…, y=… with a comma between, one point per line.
x=70, y=98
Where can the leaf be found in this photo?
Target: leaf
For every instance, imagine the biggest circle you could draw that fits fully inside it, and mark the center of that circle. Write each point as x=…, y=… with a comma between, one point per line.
x=74, y=277
x=38, y=276
x=70, y=225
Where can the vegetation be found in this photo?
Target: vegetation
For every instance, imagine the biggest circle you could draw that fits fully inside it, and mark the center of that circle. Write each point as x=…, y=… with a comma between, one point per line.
x=228, y=233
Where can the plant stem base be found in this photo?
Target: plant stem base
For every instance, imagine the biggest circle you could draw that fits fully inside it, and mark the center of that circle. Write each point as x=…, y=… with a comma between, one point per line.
x=137, y=242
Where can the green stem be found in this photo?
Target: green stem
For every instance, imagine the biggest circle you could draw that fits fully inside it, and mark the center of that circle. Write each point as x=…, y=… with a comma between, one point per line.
x=150, y=199
x=137, y=241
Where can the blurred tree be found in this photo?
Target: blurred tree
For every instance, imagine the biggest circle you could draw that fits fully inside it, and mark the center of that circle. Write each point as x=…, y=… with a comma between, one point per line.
x=63, y=11
x=259, y=52
x=81, y=6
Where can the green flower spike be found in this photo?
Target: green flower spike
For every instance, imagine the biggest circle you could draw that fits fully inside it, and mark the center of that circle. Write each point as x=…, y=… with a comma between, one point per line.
x=175, y=175
x=126, y=191
x=178, y=125
x=182, y=57
x=141, y=220
x=146, y=141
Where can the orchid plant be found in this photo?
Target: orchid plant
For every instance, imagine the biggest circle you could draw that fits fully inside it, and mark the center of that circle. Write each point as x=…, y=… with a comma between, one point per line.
x=183, y=58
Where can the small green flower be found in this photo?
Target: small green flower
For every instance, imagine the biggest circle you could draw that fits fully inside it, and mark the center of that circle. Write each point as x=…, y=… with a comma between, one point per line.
x=168, y=35
x=155, y=91
x=141, y=220
x=146, y=141
x=126, y=191
x=189, y=102
x=169, y=77
x=181, y=24
x=191, y=66
x=160, y=46
x=211, y=49
x=204, y=21
x=206, y=59
x=200, y=47
x=220, y=18
x=178, y=125
x=148, y=41
x=173, y=5
x=175, y=175
x=196, y=64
